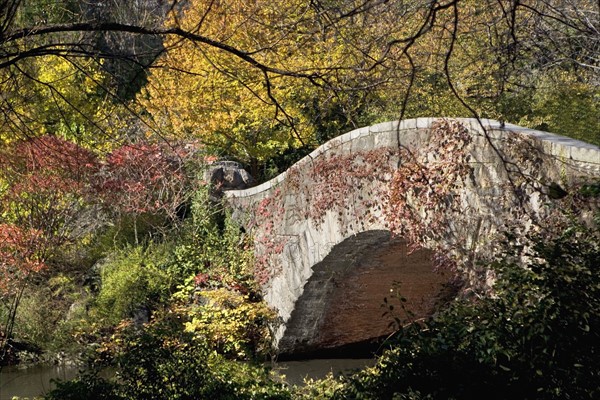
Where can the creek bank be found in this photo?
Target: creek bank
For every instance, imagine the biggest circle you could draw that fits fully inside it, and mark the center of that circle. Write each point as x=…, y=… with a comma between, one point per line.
x=15, y=352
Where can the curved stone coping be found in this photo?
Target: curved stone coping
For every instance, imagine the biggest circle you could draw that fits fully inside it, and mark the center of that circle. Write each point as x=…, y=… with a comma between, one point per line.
x=561, y=146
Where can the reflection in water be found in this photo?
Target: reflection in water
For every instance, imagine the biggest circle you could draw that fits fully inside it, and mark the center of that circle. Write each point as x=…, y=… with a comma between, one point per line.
x=34, y=381
x=296, y=371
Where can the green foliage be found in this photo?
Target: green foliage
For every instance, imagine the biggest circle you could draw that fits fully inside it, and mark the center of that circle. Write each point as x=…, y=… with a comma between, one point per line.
x=565, y=105
x=163, y=361
x=192, y=346
x=212, y=244
x=319, y=389
x=536, y=337
x=130, y=279
x=214, y=261
x=48, y=315
x=590, y=190
x=282, y=161
x=182, y=368
x=51, y=11
x=88, y=385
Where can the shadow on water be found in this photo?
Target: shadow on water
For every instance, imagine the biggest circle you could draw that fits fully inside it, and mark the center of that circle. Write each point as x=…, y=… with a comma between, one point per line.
x=342, y=360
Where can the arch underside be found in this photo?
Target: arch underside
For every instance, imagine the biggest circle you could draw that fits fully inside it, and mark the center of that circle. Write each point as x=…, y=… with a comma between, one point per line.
x=343, y=301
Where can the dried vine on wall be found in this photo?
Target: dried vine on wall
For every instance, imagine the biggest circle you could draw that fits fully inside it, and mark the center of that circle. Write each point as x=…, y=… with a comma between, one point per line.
x=451, y=194
x=352, y=187
x=425, y=194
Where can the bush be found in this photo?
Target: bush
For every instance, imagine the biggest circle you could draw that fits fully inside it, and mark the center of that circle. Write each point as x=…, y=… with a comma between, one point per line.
x=87, y=386
x=230, y=323
x=190, y=347
x=213, y=246
x=48, y=315
x=132, y=279
x=163, y=361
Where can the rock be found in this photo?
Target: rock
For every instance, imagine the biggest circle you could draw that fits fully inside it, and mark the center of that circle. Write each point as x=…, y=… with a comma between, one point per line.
x=227, y=175
x=141, y=316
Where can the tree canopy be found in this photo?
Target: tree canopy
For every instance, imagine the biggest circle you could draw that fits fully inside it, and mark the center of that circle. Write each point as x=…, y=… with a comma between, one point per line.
x=252, y=79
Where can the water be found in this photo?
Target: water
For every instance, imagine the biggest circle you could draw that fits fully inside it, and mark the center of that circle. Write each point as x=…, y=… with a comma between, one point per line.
x=296, y=371
x=35, y=381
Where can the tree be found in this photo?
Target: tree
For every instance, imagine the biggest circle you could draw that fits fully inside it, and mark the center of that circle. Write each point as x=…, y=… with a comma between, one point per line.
x=252, y=112
x=57, y=97
x=145, y=179
x=54, y=196
x=43, y=193
x=473, y=52
x=45, y=183
x=18, y=260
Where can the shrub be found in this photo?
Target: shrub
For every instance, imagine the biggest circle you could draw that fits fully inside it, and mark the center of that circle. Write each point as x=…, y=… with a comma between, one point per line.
x=48, y=314
x=214, y=245
x=132, y=279
x=163, y=361
x=231, y=323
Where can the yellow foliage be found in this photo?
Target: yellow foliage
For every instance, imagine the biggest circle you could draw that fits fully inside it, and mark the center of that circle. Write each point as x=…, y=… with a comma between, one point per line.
x=56, y=96
x=565, y=105
x=233, y=106
x=231, y=323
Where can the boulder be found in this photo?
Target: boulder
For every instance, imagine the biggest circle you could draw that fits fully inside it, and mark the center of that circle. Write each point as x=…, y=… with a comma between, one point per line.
x=227, y=175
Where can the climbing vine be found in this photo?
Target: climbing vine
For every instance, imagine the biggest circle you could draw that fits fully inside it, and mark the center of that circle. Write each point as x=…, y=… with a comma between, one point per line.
x=344, y=183
x=350, y=187
x=453, y=193
x=413, y=193
x=425, y=202
x=269, y=241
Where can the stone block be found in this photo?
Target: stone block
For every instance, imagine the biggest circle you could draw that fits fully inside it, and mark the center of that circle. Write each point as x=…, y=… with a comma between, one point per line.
x=587, y=154
x=407, y=124
x=382, y=127
x=425, y=123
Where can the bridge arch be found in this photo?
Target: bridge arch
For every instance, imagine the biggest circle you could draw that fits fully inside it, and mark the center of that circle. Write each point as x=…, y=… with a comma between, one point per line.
x=330, y=207
x=343, y=300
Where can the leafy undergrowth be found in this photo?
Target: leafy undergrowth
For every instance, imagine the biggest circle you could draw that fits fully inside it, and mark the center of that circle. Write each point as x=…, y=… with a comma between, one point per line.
x=534, y=337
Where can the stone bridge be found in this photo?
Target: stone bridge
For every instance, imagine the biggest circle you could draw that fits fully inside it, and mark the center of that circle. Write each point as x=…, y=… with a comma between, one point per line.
x=324, y=251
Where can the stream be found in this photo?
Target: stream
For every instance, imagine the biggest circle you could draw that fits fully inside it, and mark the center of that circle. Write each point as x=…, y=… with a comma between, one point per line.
x=32, y=381
x=35, y=381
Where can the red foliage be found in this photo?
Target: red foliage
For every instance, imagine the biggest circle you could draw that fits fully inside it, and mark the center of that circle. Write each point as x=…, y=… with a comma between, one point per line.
x=269, y=216
x=47, y=165
x=201, y=279
x=424, y=194
x=44, y=181
x=328, y=185
x=416, y=201
x=45, y=157
x=334, y=179
x=18, y=256
x=144, y=178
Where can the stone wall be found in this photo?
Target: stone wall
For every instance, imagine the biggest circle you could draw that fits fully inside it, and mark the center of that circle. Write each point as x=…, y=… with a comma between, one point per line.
x=320, y=228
